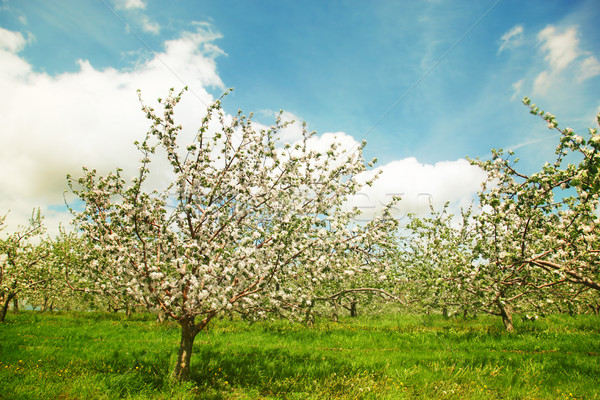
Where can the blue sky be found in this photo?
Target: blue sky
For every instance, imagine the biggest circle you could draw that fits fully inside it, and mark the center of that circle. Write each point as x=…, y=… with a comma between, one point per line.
x=426, y=83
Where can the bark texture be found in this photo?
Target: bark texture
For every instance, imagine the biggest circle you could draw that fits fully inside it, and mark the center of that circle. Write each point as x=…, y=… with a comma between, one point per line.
x=188, y=334
x=189, y=330
x=506, y=314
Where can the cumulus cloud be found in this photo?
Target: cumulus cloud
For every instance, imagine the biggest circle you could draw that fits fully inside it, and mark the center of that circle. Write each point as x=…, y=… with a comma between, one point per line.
x=12, y=42
x=12, y=65
x=292, y=132
x=54, y=125
x=419, y=185
x=511, y=39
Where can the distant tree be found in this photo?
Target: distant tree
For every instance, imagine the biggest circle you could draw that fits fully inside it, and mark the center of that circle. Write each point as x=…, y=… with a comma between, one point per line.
x=23, y=263
x=248, y=225
x=439, y=262
x=84, y=276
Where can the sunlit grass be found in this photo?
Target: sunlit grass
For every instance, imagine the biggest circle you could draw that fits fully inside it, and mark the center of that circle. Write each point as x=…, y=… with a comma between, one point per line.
x=102, y=356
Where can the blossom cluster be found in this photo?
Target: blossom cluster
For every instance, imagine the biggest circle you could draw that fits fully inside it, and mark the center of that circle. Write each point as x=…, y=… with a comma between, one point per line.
x=247, y=224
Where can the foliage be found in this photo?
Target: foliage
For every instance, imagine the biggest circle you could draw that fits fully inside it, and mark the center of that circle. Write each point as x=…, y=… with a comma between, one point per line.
x=24, y=264
x=549, y=218
x=440, y=264
x=530, y=234
x=73, y=258
x=247, y=225
x=541, y=228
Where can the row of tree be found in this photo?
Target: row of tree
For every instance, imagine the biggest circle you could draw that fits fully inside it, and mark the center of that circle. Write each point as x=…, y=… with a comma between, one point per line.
x=35, y=271
x=531, y=242
x=254, y=227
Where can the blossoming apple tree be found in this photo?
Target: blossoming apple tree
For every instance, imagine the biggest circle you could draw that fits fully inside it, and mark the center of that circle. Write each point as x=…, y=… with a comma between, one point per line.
x=247, y=225
x=533, y=238
x=438, y=260
x=71, y=286
x=543, y=226
x=24, y=264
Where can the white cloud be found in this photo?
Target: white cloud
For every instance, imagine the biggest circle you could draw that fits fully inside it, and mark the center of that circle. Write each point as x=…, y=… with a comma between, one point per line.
x=12, y=42
x=511, y=39
x=135, y=10
x=54, y=125
x=292, y=132
x=563, y=57
x=542, y=83
x=561, y=48
x=129, y=4
x=148, y=25
x=589, y=68
x=419, y=184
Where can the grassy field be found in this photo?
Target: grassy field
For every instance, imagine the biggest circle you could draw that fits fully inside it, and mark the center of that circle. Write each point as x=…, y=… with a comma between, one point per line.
x=102, y=356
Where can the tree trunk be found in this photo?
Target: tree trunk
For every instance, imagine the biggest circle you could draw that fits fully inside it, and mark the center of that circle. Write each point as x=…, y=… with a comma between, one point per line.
x=309, y=318
x=161, y=316
x=15, y=305
x=506, y=314
x=4, y=309
x=334, y=315
x=353, y=310
x=189, y=330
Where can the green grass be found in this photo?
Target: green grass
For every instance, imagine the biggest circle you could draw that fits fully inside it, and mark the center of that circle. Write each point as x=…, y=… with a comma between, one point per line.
x=102, y=356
